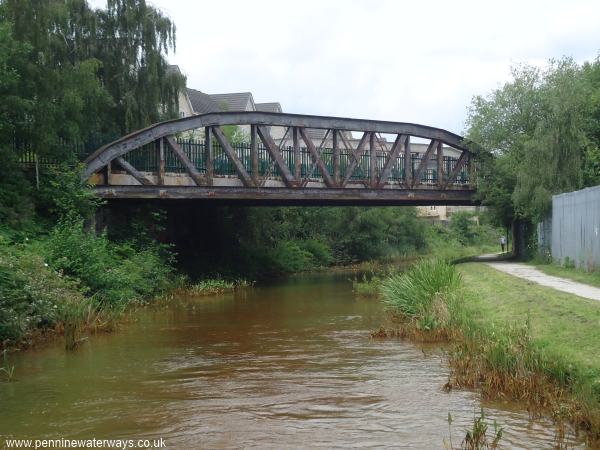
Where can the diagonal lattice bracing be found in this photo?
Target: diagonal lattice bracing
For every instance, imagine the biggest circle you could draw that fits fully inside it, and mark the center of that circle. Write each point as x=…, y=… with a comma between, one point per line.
x=343, y=163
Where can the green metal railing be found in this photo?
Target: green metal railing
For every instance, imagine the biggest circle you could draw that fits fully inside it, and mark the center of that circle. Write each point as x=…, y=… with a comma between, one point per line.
x=59, y=151
x=147, y=159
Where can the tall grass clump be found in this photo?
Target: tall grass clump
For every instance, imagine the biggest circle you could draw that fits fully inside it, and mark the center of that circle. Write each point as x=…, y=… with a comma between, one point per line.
x=7, y=369
x=425, y=297
x=213, y=286
x=367, y=286
x=501, y=358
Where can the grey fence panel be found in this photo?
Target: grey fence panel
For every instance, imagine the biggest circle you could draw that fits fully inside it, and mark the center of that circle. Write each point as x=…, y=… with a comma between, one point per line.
x=576, y=227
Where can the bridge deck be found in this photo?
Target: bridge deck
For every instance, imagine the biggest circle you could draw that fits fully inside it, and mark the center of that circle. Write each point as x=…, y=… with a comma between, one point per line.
x=291, y=196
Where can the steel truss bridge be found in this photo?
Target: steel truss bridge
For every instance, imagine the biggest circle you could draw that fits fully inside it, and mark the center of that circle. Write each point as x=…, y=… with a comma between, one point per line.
x=351, y=164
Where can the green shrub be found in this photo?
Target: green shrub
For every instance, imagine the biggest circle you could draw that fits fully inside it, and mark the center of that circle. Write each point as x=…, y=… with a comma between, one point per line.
x=114, y=274
x=463, y=227
x=320, y=252
x=16, y=204
x=32, y=295
x=63, y=194
x=288, y=256
x=425, y=294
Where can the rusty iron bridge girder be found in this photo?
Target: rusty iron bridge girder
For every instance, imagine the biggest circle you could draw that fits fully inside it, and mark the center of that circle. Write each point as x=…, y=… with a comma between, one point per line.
x=372, y=157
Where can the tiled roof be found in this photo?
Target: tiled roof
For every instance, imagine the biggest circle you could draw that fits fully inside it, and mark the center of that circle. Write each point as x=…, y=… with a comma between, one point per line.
x=234, y=101
x=269, y=107
x=316, y=134
x=202, y=103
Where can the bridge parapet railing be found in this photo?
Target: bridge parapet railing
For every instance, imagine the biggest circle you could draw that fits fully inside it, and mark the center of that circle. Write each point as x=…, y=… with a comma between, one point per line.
x=147, y=159
x=315, y=152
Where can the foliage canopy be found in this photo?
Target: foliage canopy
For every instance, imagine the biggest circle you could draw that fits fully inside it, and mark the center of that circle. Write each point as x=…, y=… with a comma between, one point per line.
x=540, y=136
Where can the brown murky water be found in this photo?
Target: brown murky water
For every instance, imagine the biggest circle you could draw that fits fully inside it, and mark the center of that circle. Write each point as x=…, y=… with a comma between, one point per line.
x=289, y=365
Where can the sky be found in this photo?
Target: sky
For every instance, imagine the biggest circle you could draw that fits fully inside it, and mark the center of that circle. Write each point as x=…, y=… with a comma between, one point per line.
x=408, y=61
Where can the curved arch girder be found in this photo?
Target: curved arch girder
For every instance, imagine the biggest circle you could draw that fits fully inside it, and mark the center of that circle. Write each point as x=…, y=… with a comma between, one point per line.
x=120, y=147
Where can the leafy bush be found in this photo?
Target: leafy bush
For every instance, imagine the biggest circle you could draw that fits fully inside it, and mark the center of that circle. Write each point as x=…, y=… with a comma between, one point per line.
x=32, y=295
x=288, y=256
x=112, y=273
x=320, y=252
x=425, y=294
x=16, y=205
x=360, y=234
x=445, y=242
x=63, y=194
x=463, y=227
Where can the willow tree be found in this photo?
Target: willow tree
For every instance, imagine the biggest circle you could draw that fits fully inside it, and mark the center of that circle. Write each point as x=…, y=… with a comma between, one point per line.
x=91, y=73
x=58, y=77
x=133, y=42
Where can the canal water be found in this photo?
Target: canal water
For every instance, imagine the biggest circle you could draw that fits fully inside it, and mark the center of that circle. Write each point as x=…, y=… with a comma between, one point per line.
x=288, y=365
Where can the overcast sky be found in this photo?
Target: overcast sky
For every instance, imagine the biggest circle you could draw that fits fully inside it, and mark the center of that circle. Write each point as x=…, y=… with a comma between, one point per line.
x=418, y=61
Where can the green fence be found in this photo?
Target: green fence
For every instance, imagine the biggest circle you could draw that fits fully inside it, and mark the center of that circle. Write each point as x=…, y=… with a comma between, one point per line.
x=147, y=159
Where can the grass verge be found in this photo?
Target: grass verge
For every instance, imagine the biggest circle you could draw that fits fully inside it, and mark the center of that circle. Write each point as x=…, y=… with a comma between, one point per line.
x=511, y=338
x=573, y=273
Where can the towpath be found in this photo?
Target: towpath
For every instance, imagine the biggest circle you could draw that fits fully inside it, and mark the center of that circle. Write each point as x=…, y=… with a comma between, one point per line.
x=534, y=275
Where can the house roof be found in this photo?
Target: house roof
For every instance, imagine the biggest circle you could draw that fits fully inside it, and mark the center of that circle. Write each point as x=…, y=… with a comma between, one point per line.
x=269, y=107
x=233, y=102
x=316, y=134
x=202, y=103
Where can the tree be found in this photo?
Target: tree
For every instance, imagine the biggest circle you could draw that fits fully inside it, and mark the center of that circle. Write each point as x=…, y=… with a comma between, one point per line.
x=536, y=137
x=75, y=74
x=16, y=206
x=91, y=72
x=133, y=42
x=64, y=97
x=591, y=163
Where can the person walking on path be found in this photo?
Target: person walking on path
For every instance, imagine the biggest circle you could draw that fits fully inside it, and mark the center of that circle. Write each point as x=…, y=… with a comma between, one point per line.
x=502, y=243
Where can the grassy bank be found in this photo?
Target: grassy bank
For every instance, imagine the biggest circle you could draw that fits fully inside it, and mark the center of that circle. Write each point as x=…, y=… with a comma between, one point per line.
x=511, y=338
x=568, y=271
x=561, y=323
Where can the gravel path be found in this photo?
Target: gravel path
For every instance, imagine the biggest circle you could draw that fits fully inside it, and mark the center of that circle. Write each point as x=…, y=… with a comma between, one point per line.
x=530, y=273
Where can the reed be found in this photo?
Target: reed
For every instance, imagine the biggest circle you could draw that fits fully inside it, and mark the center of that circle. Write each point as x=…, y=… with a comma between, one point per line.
x=6, y=368
x=505, y=362
x=367, y=285
x=426, y=297
x=217, y=286
x=476, y=438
